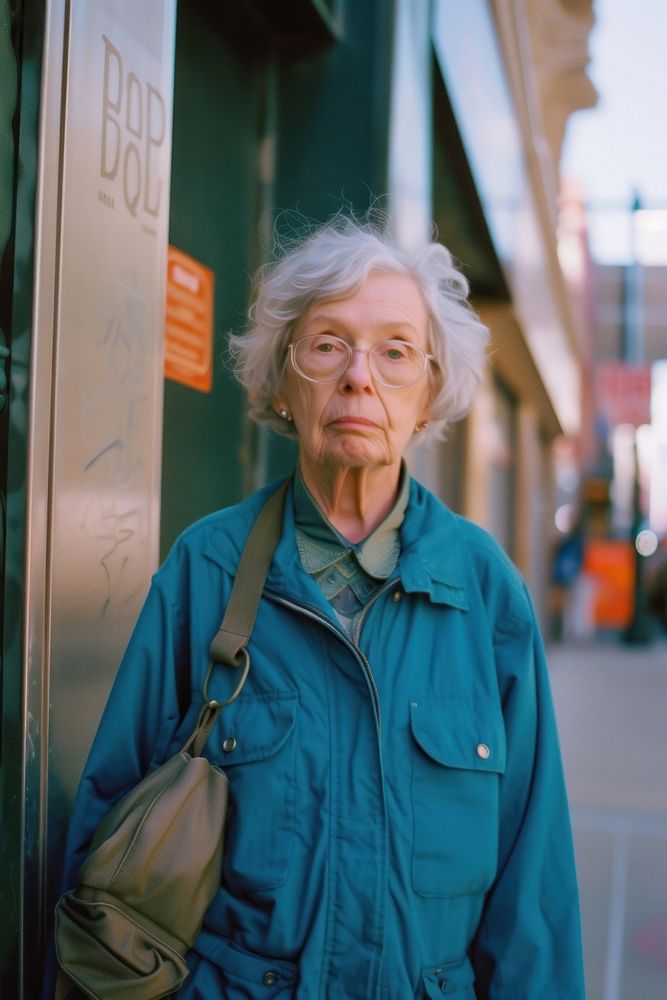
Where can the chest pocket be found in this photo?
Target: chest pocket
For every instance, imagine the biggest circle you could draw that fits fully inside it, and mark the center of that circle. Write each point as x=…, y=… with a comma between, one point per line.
x=458, y=758
x=254, y=742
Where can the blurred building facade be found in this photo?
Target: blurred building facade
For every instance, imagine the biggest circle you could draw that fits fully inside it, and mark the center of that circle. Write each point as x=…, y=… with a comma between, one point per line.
x=614, y=483
x=610, y=282
x=250, y=115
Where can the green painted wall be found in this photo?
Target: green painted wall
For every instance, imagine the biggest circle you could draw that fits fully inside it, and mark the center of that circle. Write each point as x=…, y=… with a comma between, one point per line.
x=213, y=217
x=332, y=133
x=333, y=116
x=21, y=52
x=319, y=110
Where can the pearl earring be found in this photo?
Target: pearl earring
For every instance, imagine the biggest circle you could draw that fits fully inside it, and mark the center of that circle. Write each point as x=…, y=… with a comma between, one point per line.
x=285, y=415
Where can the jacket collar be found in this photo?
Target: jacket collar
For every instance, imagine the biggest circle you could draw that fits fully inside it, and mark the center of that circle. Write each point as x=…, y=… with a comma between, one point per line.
x=321, y=545
x=433, y=557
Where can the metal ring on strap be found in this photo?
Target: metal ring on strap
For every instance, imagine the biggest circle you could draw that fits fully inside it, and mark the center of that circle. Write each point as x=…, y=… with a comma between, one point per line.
x=244, y=666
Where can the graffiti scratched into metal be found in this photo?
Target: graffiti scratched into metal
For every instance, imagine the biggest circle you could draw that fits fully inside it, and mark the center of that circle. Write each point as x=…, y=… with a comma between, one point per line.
x=117, y=407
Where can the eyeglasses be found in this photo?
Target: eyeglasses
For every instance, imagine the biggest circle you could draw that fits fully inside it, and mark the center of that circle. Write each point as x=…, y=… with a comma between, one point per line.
x=323, y=358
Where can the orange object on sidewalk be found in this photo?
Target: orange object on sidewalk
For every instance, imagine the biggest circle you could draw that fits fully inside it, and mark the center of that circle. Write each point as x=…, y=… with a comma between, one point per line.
x=610, y=562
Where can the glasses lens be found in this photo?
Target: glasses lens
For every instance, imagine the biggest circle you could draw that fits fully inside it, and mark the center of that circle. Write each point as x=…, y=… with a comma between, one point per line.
x=321, y=357
x=397, y=363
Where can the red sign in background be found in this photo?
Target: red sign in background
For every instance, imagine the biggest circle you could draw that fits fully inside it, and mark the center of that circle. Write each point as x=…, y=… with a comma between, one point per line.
x=624, y=394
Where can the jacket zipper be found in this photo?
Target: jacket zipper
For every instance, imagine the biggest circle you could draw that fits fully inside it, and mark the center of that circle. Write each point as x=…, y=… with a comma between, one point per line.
x=353, y=645
x=356, y=632
x=357, y=652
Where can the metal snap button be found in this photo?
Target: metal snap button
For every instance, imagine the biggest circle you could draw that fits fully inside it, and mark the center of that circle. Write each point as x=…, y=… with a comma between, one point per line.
x=229, y=744
x=396, y=596
x=483, y=751
x=270, y=978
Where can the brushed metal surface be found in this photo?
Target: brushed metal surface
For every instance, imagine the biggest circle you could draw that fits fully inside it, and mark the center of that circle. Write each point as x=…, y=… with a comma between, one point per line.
x=96, y=391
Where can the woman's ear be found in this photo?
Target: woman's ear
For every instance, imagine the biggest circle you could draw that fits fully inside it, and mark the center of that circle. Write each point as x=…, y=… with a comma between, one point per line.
x=280, y=406
x=425, y=413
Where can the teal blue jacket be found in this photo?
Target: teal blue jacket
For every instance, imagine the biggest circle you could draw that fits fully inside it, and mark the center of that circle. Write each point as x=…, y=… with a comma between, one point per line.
x=398, y=824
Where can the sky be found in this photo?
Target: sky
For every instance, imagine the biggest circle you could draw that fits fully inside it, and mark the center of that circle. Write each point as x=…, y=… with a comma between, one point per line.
x=620, y=146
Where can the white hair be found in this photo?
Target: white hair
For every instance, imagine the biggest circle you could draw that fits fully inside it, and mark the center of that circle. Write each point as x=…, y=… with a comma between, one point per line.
x=332, y=262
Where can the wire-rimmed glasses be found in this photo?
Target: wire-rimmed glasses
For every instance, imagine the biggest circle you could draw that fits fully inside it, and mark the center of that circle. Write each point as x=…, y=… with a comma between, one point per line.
x=324, y=357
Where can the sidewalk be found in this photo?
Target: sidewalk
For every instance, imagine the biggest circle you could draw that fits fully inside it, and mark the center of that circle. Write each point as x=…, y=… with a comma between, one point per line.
x=611, y=703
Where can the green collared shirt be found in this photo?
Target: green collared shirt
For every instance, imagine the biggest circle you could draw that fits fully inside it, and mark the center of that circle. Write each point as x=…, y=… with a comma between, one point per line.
x=347, y=573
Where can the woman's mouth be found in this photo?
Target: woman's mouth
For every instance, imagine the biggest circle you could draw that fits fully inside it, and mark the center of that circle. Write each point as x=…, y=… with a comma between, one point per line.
x=352, y=421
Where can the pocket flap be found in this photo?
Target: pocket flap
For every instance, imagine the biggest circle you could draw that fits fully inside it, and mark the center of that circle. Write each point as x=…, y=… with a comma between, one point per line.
x=271, y=976
x=452, y=977
x=253, y=727
x=458, y=734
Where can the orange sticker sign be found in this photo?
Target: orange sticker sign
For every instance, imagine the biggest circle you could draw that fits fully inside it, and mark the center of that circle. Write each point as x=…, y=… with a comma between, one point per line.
x=189, y=322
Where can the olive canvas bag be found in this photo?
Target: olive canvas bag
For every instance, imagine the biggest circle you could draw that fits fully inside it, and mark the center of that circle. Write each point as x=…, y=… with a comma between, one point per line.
x=154, y=864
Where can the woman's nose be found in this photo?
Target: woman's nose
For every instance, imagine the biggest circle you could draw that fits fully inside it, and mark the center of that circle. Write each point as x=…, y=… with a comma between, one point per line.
x=358, y=372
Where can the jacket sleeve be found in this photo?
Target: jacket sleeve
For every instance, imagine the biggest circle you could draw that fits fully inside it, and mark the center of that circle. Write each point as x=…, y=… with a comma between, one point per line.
x=528, y=943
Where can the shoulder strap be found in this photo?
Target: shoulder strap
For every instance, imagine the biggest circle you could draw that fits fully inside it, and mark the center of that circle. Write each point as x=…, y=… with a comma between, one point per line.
x=232, y=637
x=229, y=643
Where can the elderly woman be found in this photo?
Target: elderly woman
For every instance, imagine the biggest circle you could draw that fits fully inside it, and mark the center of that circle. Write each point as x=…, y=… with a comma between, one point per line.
x=398, y=824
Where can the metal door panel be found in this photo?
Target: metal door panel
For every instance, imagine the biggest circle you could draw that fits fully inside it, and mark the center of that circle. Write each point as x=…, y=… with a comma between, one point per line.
x=96, y=396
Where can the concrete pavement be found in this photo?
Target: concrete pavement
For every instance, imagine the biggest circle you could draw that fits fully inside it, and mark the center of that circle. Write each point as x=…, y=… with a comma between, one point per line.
x=611, y=703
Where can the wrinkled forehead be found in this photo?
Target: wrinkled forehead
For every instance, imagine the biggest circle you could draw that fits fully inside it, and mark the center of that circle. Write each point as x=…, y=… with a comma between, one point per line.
x=386, y=303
